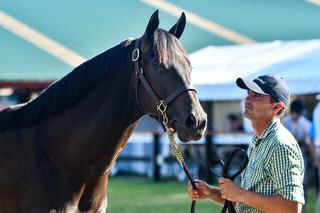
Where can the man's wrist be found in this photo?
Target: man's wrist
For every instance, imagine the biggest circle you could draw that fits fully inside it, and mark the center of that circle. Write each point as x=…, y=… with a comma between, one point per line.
x=215, y=195
x=212, y=193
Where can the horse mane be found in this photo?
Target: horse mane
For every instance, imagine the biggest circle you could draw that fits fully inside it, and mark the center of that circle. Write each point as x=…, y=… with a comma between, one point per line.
x=66, y=92
x=76, y=85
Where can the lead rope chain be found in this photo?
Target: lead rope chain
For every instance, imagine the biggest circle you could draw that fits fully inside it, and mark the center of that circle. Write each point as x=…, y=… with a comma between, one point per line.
x=162, y=107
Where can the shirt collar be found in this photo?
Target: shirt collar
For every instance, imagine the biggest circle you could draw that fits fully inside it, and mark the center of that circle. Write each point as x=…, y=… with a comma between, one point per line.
x=270, y=128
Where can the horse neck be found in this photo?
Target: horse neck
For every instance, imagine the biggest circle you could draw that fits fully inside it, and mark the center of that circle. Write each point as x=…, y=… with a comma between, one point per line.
x=100, y=125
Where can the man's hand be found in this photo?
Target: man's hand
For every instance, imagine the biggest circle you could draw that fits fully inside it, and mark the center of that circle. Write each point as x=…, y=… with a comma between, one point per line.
x=230, y=190
x=203, y=190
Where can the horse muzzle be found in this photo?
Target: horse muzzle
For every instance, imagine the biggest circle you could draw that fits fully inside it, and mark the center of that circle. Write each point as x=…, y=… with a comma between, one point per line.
x=190, y=129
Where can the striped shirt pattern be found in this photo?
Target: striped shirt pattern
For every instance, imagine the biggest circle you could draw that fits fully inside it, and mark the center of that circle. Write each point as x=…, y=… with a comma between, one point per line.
x=275, y=166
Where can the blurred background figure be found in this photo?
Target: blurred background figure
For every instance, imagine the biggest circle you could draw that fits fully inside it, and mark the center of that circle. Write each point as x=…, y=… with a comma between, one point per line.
x=235, y=123
x=299, y=126
x=297, y=123
x=314, y=148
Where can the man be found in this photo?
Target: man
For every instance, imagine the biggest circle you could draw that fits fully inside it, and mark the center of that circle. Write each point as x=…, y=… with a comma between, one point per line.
x=272, y=181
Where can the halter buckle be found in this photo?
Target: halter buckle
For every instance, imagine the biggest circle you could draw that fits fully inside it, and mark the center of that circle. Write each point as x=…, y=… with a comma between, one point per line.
x=135, y=55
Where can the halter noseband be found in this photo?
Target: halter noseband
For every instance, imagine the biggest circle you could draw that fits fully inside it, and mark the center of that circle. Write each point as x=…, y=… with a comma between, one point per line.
x=161, y=104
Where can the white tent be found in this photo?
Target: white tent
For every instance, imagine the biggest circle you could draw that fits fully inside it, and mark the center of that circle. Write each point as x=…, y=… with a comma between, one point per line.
x=215, y=69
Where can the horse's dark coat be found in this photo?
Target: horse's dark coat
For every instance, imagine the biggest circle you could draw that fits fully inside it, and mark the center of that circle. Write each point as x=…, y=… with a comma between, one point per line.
x=56, y=150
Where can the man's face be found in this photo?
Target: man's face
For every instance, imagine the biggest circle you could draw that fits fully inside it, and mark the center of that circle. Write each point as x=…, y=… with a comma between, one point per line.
x=258, y=106
x=294, y=116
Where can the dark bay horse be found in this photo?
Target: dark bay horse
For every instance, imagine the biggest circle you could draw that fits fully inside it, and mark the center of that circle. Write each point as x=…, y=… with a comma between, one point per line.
x=56, y=150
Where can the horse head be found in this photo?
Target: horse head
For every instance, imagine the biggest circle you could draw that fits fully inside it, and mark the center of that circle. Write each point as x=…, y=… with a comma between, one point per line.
x=164, y=85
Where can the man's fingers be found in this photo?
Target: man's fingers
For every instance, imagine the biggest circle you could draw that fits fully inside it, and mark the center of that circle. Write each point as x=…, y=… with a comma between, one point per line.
x=223, y=180
x=222, y=196
x=194, y=195
x=197, y=181
x=202, y=188
x=200, y=184
x=191, y=190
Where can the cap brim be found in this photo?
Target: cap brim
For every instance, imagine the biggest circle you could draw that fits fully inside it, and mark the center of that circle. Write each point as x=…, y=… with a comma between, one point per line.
x=249, y=85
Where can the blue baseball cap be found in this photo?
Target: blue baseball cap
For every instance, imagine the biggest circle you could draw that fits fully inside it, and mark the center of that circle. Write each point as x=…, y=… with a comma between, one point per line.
x=268, y=85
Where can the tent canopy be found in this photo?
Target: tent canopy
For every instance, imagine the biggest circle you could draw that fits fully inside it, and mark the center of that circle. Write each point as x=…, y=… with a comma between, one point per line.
x=215, y=69
x=35, y=37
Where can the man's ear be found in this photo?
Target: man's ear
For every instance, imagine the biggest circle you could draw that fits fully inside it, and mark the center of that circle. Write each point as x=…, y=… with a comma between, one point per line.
x=278, y=106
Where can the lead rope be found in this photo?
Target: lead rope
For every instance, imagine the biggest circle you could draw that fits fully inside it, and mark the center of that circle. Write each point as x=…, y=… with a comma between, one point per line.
x=176, y=151
x=162, y=107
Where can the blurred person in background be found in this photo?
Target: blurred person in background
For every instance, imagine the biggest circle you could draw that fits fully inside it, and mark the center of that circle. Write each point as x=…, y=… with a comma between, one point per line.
x=315, y=144
x=235, y=124
x=273, y=179
x=299, y=126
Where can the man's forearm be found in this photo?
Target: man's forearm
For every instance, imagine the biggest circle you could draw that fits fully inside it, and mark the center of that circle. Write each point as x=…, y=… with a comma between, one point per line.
x=270, y=204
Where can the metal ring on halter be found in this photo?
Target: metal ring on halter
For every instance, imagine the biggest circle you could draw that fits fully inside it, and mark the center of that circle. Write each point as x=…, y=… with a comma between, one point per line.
x=135, y=54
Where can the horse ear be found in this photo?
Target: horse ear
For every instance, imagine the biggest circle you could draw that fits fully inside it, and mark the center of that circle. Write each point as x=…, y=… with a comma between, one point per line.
x=152, y=25
x=178, y=28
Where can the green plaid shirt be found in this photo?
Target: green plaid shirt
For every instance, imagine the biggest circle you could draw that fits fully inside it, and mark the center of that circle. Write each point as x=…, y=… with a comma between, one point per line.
x=275, y=166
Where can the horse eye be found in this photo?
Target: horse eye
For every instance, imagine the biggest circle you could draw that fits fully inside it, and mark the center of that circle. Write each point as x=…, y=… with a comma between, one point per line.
x=156, y=65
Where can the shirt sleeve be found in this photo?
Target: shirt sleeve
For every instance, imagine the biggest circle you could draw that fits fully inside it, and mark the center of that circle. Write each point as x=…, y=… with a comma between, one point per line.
x=287, y=170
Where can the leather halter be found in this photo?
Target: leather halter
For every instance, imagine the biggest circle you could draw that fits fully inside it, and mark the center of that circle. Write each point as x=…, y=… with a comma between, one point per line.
x=160, y=104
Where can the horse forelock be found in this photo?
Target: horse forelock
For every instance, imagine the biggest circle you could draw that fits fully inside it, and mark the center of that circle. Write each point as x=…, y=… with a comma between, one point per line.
x=168, y=48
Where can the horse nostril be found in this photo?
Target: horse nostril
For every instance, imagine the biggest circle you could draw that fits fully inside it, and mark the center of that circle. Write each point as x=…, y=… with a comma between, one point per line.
x=202, y=125
x=191, y=121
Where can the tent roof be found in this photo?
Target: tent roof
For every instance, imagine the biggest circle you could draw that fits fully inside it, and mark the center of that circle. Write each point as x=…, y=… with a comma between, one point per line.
x=89, y=27
x=215, y=69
